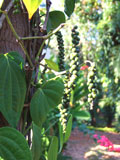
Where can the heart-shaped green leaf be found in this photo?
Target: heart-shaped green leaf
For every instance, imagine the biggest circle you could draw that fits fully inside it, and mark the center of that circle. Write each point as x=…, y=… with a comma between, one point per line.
x=39, y=107
x=55, y=19
x=53, y=149
x=12, y=87
x=52, y=65
x=45, y=98
x=69, y=7
x=1, y=2
x=13, y=145
x=32, y=6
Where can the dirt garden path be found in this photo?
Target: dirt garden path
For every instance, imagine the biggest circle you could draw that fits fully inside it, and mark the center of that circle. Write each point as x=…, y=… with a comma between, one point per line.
x=82, y=147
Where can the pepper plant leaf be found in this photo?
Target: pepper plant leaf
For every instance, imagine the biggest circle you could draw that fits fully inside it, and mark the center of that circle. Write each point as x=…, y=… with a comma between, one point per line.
x=13, y=145
x=55, y=19
x=36, y=142
x=1, y=2
x=61, y=138
x=81, y=115
x=53, y=149
x=52, y=65
x=44, y=99
x=69, y=7
x=32, y=6
x=12, y=87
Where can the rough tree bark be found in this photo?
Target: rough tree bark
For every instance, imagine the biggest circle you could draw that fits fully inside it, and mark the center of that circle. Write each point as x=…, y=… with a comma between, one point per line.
x=20, y=22
x=8, y=42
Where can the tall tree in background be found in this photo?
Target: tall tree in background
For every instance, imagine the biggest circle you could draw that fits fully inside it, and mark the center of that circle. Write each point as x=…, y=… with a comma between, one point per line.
x=99, y=27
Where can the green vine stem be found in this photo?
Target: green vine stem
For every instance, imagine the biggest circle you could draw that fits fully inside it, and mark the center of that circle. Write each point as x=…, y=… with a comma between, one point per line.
x=55, y=72
x=40, y=49
x=30, y=127
x=26, y=131
x=50, y=126
x=46, y=36
x=17, y=37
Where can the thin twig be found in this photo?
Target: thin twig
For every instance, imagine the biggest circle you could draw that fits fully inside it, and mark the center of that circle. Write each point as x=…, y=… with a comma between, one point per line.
x=55, y=72
x=2, y=18
x=36, y=32
x=48, y=4
x=18, y=39
x=50, y=126
x=45, y=66
x=29, y=42
x=46, y=36
x=26, y=131
x=41, y=47
x=34, y=44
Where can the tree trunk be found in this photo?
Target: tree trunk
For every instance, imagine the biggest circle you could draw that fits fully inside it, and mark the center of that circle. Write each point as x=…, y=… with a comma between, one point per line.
x=7, y=39
x=9, y=43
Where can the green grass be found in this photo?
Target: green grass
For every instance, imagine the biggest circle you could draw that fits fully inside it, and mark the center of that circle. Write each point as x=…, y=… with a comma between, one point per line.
x=104, y=129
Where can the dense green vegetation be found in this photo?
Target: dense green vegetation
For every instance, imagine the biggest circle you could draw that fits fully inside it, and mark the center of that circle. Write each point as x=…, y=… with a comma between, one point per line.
x=42, y=98
x=98, y=25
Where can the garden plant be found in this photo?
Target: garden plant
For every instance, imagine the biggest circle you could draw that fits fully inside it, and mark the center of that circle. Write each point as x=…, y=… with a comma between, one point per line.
x=31, y=125
x=40, y=97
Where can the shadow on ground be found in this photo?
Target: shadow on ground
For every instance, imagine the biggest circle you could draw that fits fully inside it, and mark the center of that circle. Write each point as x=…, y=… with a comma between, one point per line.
x=101, y=153
x=82, y=147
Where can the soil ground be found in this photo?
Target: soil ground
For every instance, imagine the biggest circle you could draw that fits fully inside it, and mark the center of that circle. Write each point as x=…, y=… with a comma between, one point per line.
x=82, y=147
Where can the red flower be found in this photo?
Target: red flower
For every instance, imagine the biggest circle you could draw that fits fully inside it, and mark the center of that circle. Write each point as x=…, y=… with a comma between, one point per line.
x=104, y=141
x=83, y=68
x=111, y=148
x=95, y=136
x=117, y=149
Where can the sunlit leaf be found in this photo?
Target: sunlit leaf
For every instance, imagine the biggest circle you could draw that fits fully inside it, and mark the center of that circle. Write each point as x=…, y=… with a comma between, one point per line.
x=1, y=2
x=32, y=6
x=69, y=7
x=52, y=65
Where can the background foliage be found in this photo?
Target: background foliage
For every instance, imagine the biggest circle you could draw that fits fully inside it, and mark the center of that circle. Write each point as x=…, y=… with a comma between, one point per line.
x=79, y=81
